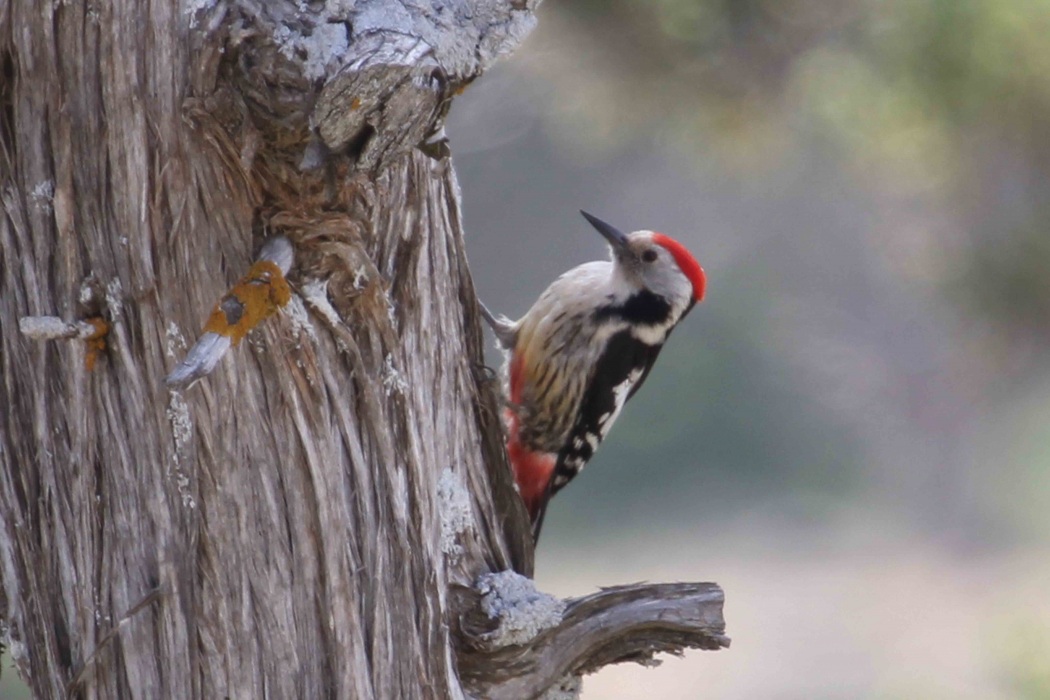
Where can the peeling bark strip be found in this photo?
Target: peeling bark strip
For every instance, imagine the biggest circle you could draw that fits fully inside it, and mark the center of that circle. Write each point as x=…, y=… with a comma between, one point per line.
x=300, y=524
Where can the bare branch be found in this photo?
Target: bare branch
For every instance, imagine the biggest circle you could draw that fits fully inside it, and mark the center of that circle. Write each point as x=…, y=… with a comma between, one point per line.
x=623, y=623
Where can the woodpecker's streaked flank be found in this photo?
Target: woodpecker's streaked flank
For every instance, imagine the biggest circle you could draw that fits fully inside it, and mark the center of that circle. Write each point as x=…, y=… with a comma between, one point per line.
x=583, y=349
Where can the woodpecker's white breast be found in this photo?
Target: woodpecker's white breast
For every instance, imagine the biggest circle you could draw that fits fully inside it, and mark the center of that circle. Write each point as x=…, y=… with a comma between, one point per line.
x=558, y=344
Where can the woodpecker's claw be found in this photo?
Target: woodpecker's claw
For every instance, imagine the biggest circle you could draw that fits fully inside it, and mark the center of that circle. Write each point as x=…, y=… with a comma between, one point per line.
x=506, y=330
x=488, y=374
x=256, y=296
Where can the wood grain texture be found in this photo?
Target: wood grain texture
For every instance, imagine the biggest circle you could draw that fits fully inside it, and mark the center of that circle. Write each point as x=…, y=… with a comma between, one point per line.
x=293, y=526
x=281, y=519
x=619, y=624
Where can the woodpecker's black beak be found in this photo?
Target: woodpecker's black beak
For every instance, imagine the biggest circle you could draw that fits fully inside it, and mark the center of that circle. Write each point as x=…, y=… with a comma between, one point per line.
x=617, y=238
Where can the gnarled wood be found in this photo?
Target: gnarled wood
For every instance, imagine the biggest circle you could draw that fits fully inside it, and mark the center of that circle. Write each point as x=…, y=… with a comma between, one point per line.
x=615, y=625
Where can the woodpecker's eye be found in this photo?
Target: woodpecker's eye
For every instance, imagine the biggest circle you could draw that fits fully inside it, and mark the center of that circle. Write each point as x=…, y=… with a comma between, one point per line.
x=649, y=255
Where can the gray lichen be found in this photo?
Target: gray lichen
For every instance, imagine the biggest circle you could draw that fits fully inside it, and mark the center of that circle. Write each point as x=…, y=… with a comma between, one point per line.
x=523, y=612
x=457, y=514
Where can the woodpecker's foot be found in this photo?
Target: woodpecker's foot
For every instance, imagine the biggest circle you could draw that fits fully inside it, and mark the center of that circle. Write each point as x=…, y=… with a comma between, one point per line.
x=506, y=330
x=256, y=296
x=488, y=374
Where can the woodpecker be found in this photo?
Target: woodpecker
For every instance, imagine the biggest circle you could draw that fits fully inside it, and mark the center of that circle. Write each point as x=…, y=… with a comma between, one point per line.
x=583, y=349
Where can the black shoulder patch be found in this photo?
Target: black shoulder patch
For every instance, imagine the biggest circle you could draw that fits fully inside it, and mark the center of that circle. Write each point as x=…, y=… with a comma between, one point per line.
x=625, y=355
x=642, y=307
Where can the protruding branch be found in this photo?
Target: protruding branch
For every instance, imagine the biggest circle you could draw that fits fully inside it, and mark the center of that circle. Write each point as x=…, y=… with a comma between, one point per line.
x=92, y=331
x=256, y=296
x=624, y=623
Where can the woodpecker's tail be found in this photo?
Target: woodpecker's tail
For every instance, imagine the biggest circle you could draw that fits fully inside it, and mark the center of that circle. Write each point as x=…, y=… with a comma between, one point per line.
x=506, y=330
x=537, y=522
x=537, y=507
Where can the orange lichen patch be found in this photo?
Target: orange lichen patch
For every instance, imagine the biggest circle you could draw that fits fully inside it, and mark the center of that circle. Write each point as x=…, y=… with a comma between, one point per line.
x=355, y=103
x=257, y=296
x=96, y=342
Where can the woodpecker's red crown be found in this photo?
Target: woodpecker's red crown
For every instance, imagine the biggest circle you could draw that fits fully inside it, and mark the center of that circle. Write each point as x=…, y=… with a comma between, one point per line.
x=654, y=261
x=686, y=263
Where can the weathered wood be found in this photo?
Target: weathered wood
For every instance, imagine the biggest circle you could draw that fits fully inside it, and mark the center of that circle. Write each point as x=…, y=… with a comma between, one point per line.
x=293, y=525
x=615, y=625
x=288, y=510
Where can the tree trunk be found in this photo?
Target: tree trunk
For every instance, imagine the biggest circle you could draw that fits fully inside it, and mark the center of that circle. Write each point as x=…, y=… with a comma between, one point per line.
x=314, y=517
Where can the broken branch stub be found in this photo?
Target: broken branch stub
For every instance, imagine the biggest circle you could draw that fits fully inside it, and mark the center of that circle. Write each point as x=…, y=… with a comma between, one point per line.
x=394, y=81
x=623, y=623
x=369, y=80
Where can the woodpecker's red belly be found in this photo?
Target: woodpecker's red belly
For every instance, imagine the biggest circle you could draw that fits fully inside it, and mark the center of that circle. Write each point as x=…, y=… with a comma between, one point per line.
x=532, y=470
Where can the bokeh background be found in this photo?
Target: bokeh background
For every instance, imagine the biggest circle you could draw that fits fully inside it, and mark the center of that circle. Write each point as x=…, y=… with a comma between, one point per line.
x=852, y=433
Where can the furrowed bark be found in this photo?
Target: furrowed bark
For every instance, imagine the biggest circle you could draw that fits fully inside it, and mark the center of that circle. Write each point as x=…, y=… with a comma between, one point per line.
x=293, y=525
